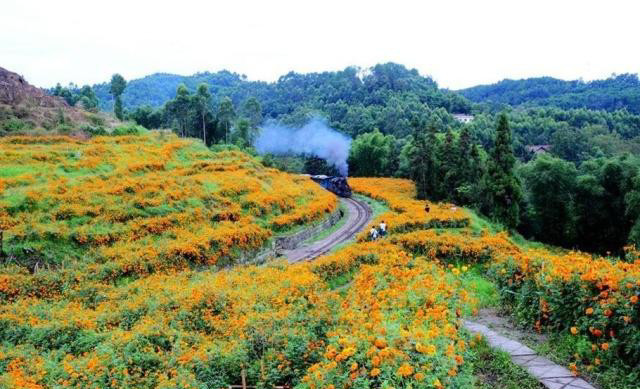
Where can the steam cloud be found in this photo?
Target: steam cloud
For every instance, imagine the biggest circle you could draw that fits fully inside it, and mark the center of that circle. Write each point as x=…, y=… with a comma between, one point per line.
x=314, y=138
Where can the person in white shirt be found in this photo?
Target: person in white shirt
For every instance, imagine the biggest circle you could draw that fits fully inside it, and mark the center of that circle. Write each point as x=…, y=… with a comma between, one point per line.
x=373, y=233
x=383, y=228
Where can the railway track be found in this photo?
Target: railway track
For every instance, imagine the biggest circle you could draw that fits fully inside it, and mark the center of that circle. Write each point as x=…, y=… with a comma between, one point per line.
x=359, y=216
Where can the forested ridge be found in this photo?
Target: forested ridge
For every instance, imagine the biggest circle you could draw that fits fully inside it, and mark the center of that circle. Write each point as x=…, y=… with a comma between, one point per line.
x=611, y=94
x=354, y=100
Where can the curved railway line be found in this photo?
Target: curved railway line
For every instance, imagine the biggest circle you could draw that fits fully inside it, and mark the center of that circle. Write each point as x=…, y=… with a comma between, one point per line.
x=359, y=216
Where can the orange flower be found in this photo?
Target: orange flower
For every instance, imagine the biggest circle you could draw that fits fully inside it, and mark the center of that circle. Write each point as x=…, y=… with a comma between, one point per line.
x=380, y=343
x=375, y=372
x=418, y=376
x=634, y=299
x=608, y=313
x=354, y=366
x=574, y=330
x=589, y=311
x=605, y=346
x=405, y=370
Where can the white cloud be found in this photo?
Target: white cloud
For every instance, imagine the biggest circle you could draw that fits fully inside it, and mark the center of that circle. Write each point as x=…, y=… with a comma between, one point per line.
x=459, y=43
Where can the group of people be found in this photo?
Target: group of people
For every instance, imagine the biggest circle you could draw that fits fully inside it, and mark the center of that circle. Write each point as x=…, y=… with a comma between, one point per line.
x=379, y=231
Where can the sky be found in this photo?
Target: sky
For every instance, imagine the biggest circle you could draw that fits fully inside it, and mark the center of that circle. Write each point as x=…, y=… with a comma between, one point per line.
x=458, y=43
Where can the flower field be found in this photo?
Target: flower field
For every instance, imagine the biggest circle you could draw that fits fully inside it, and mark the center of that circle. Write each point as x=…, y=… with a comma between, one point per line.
x=595, y=299
x=128, y=301
x=129, y=206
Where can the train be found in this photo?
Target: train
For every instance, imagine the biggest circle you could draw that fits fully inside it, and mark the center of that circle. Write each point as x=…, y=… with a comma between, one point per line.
x=335, y=184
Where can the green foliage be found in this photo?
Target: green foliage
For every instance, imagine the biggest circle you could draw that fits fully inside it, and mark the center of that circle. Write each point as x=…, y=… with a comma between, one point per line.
x=353, y=100
x=373, y=154
x=129, y=129
x=84, y=97
x=502, y=186
x=614, y=93
x=117, y=108
x=117, y=86
x=550, y=213
x=495, y=370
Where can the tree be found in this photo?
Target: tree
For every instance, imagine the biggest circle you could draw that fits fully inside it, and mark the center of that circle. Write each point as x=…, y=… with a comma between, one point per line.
x=242, y=132
x=202, y=101
x=422, y=160
x=226, y=114
x=180, y=109
x=118, y=85
x=503, y=188
x=448, y=176
x=252, y=110
x=551, y=212
x=371, y=154
x=147, y=117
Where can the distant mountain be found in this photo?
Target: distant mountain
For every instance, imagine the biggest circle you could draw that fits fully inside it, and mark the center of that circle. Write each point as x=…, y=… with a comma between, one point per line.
x=156, y=89
x=614, y=93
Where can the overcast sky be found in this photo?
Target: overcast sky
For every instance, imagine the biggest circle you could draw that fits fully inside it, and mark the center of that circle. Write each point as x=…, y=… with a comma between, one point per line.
x=458, y=43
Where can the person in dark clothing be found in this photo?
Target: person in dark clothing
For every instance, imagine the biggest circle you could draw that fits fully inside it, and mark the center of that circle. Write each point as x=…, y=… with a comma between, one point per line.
x=426, y=207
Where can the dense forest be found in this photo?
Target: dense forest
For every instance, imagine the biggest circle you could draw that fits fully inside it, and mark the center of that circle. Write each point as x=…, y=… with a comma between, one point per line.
x=354, y=100
x=403, y=125
x=614, y=93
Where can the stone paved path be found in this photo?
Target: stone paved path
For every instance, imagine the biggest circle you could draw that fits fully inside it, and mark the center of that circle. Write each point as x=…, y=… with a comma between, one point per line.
x=551, y=375
x=359, y=216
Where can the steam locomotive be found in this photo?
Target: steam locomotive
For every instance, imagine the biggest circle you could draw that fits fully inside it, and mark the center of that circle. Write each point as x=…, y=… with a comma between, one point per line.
x=337, y=185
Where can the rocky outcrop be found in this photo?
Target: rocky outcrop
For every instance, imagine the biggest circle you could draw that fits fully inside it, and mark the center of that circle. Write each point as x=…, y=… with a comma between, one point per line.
x=27, y=103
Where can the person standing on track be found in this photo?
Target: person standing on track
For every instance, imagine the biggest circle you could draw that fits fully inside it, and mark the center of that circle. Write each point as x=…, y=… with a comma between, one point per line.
x=383, y=228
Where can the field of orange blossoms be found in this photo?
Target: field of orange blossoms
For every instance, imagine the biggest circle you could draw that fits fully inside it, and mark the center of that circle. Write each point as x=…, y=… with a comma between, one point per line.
x=119, y=302
x=111, y=207
x=594, y=299
x=407, y=213
x=395, y=323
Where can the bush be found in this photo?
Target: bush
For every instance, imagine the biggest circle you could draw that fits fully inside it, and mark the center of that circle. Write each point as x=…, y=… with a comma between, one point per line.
x=128, y=129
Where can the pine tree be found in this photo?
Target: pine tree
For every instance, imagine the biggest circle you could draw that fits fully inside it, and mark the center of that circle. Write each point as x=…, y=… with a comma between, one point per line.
x=418, y=157
x=448, y=158
x=464, y=174
x=503, y=188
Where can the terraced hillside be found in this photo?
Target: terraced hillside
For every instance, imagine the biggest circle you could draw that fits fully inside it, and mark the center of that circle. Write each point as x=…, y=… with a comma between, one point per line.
x=126, y=207
x=125, y=230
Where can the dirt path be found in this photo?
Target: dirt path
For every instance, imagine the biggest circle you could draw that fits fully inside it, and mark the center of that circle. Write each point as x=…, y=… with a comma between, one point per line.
x=359, y=216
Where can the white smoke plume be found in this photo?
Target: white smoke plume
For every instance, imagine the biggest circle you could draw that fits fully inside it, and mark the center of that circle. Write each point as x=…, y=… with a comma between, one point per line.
x=314, y=138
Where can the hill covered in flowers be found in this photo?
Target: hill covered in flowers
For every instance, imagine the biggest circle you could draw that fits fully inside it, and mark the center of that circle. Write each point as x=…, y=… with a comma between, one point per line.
x=113, y=208
x=136, y=303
